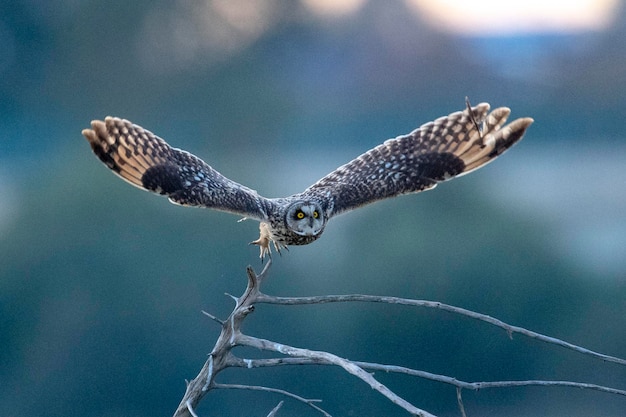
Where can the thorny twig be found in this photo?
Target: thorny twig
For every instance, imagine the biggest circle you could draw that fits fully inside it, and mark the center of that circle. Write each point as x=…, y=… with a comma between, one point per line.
x=307, y=401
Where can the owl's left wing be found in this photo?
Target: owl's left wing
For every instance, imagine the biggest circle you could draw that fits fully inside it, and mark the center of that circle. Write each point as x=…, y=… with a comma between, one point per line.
x=148, y=162
x=448, y=147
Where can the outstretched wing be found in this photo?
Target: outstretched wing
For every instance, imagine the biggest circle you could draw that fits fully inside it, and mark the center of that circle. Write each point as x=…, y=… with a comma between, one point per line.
x=448, y=147
x=147, y=161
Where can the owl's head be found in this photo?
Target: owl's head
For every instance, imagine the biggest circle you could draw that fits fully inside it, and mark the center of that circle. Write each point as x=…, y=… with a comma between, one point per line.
x=305, y=218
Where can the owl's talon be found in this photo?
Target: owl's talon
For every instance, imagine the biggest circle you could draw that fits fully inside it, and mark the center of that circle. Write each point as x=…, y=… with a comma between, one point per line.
x=279, y=246
x=264, y=246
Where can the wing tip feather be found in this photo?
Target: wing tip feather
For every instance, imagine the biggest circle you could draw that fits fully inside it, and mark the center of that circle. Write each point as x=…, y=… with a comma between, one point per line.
x=106, y=146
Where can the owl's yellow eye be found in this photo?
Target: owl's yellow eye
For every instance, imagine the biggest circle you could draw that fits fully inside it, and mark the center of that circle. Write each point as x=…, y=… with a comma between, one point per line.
x=315, y=214
x=300, y=215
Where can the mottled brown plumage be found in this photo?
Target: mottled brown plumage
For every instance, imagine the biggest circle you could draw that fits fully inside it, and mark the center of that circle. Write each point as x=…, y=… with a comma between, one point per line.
x=446, y=148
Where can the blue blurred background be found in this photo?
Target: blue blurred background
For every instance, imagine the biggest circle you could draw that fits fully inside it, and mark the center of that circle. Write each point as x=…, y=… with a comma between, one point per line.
x=102, y=286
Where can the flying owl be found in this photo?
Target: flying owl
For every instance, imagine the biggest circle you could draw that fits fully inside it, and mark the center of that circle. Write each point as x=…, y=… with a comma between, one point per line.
x=446, y=148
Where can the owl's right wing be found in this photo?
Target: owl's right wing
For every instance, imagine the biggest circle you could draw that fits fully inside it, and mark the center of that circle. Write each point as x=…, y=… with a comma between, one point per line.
x=148, y=162
x=446, y=148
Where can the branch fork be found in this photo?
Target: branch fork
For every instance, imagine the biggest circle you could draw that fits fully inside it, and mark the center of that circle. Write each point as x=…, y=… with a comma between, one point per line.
x=231, y=336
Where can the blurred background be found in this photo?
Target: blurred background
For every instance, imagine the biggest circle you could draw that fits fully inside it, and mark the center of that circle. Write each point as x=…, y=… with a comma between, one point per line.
x=102, y=286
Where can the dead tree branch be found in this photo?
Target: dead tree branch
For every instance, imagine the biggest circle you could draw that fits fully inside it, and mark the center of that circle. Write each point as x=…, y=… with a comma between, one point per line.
x=306, y=401
x=510, y=329
x=231, y=336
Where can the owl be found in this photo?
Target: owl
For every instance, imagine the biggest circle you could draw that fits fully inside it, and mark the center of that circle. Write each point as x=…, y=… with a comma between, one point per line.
x=440, y=150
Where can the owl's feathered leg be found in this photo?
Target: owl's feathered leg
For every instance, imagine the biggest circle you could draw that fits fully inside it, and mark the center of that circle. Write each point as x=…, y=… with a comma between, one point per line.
x=264, y=242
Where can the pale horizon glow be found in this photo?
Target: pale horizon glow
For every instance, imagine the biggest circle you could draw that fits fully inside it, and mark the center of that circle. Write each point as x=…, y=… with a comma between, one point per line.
x=333, y=7
x=495, y=17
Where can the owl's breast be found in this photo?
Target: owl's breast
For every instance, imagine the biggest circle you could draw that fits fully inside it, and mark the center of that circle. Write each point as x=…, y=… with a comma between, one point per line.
x=284, y=236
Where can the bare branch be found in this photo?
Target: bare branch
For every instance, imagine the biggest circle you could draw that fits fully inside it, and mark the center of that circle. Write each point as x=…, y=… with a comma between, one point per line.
x=459, y=384
x=221, y=357
x=506, y=384
x=329, y=358
x=212, y=317
x=263, y=363
x=275, y=410
x=482, y=385
x=510, y=329
x=306, y=401
x=190, y=408
x=459, y=400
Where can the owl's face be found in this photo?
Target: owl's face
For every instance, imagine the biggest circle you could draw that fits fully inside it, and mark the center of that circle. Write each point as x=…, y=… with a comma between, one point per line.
x=305, y=218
